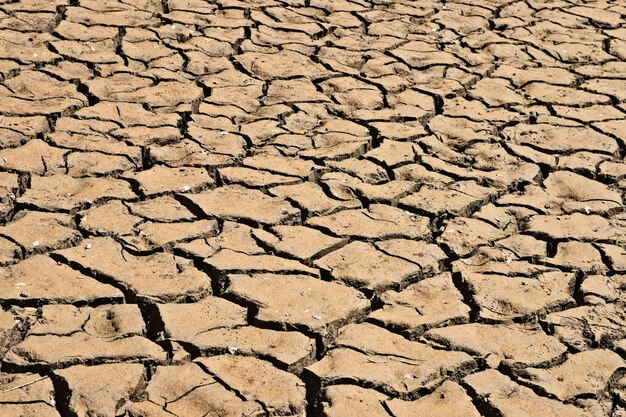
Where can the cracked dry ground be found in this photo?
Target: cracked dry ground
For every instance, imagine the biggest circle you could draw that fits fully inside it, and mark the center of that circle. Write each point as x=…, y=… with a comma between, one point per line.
x=326, y=207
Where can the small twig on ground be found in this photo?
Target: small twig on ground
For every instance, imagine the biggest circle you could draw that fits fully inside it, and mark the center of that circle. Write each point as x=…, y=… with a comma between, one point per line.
x=24, y=385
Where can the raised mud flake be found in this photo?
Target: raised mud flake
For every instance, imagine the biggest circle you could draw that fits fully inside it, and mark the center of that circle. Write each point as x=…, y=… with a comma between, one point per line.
x=216, y=141
x=145, y=409
x=460, y=198
x=231, y=261
x=427, y=255
x=32, y=46
x=298, y=241
x=418, y=173
x=294, y=90
x=361, y=265
x=152, y=53
x=379, y=221
x=593, y=113
x=62, y=192
x=563, y=95
x=253, y=178
x=107, y=321
x=508, y=218
x=600, y=17
x=41, y=280
x=188, y=153
x=234, y=236
x=160, y=179
x=9, y=251
x=585, y=327
x=581, y=194
x=514, y=346
x=150, y=278
x=601, y=287
x=298, y=301
x=463, y=235
x=496, y=92
x=584, y=162
x=449, y=399
x=264, y=131
x=499, y=261
x=219, y=326
x=606, y=86
x=27, y=395
x=343, y=400
x=353, y=93
x=458, y=132
x=12, y=328
x=279, y=392
x=99, y=390
x=188, y=391
x=613, y=127
x=393, y=153
x=612, y=170
x=580, y=52
x=500, y=394
x=165, y=96
x=336, y=146
x=208, y=314
x=243, y=99
x=533, y=199
x=161, y=209
x=575, y=226
x=115, y=16
x=503, y=298
x=432, y=302
x=35, y=156
x=282, y=165
x=147, y=136
x=616, y=256
x=339, y=186
x=577, y=256
x=92, y=52
x=477, y=111
x=127, y=114
x=420, y=55
x=363, y=169
x=34, y=93
x=312, y=198
x=97, y=335
x=151, y=236
x=110, y=218
x=582, y=374
x=38, y=232
x=93, y=142
x=551, y=138
x=387, y=193
x=68, y=70
x=281, y=65
x=489, y=166
x=85, y=164
x=17, y=130
x=234, y=202
x=400, y=131
x=374, y=357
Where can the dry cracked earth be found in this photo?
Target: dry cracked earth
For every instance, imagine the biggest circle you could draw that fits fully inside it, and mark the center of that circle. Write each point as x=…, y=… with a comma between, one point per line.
x=312, y=207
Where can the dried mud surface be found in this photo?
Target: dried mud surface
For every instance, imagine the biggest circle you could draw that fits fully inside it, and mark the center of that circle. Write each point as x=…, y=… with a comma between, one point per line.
x=312, y=207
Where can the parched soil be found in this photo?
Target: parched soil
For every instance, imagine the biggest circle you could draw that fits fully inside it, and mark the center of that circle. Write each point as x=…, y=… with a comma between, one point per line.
x=329, y=208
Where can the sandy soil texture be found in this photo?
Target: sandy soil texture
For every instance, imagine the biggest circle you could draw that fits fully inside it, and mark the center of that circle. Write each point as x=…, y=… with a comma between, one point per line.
x=329, y=208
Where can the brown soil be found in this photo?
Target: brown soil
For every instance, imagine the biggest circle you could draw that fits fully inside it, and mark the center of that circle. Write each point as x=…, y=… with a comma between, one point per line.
x=327, y=208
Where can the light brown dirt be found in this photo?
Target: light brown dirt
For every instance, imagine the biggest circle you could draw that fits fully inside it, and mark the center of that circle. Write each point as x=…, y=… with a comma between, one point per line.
x=327, y=208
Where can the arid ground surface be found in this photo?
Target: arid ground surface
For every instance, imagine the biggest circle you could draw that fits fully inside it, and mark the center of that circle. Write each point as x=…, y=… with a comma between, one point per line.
x=322, y=207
